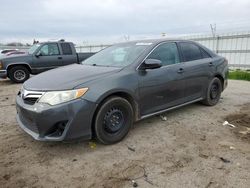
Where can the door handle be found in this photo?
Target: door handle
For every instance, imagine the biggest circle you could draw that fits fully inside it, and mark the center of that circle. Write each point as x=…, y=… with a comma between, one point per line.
x=59, y=58
x=210, y=64
x=181, y=70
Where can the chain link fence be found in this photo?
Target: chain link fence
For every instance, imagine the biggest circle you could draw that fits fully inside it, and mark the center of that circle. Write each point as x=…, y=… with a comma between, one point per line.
x=235, y=47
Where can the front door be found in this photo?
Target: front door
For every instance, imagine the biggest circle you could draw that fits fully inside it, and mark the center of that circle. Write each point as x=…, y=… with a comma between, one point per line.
x=48, y=57
x=163, y=87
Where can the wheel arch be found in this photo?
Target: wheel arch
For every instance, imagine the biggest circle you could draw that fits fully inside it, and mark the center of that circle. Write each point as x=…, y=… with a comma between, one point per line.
x=18, y=64
x=221, y=78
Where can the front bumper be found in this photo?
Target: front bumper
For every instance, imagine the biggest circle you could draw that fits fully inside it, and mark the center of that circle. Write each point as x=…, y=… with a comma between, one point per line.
x=3, y=73
x=67, y=121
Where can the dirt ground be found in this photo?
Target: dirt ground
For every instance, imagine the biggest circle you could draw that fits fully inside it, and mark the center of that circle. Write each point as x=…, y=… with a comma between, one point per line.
x=190, y=149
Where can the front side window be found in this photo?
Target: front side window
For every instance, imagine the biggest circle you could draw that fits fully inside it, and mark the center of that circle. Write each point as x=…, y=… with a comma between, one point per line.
x=49, y=49
x=167, y=53
x=190, y=51
x=33, y=48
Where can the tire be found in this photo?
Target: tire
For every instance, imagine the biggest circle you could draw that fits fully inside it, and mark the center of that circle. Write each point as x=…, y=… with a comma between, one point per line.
x=213, y=92
x=18, y=74
x=113, y=120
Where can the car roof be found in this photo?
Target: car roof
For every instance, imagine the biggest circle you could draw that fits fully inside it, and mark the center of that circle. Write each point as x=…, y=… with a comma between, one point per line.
x=155, y=41
x=48, y=42
x=158, y=41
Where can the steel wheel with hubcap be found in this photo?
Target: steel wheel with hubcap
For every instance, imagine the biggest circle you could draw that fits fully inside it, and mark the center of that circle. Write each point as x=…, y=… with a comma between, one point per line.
x=18, y=74
x=113, y=120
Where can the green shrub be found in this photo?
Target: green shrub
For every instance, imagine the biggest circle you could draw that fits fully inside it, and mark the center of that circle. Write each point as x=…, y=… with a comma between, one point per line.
x=239, y=75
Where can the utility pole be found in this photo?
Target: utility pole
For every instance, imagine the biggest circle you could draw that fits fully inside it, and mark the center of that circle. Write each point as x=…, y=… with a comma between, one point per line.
x=126, y=37
x=213, y=29
x=215, y=39
x=163, y=34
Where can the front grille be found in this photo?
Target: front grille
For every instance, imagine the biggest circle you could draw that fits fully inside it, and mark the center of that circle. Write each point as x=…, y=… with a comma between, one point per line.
x=30, y=97
x=30, y=101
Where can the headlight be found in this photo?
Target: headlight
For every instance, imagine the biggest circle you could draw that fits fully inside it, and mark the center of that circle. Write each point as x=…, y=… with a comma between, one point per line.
x=57, y=97
x=1, y=65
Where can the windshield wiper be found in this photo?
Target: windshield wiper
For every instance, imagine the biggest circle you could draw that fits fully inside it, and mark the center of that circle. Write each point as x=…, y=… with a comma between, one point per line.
x=96, y=65
x=100, y=65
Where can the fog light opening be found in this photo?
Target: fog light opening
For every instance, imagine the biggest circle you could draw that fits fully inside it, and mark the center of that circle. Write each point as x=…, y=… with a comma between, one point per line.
x=58, y=129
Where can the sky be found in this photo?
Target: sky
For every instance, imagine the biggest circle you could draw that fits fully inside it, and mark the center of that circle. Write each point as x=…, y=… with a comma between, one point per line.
x=109, y=21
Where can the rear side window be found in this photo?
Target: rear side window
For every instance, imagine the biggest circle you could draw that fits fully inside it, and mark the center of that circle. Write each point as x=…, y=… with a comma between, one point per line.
x=167, y=53
x=204, y=54
x=190, y=51
x=66, y=48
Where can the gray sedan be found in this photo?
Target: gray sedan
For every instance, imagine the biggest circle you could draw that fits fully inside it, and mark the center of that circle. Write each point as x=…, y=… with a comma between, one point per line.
x=104, y=95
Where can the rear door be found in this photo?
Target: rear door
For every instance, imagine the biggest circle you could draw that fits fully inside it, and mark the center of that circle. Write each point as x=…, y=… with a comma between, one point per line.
x=49, y=58
x=197, y=63
x=69, y=56
x=163, y=87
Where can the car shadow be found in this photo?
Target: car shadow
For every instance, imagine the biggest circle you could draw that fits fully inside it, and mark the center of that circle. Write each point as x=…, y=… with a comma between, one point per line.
x=81, y=146
x=168, y=114
x=6, y=82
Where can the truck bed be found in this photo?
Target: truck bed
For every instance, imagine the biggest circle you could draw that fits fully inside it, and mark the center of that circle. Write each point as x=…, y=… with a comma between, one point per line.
x=83, y=56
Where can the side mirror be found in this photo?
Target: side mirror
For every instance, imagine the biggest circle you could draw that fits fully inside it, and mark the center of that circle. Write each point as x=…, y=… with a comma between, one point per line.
x=151, y=64
x=38, y=54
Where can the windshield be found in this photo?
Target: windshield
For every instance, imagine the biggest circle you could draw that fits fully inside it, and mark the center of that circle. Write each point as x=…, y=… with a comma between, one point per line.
x=33, y=48
x=119, y=55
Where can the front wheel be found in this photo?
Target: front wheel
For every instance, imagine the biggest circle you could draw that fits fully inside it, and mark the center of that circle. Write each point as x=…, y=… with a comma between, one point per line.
x=113, y=120
x=18, y=74
x=213, y=92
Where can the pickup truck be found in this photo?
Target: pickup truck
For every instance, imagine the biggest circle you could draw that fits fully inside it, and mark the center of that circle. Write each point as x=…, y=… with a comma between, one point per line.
x=39, y=58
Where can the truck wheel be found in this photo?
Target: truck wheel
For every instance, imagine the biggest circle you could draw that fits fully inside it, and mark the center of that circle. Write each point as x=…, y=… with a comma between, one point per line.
x=213, y=92
x=113, y=120
x=18, y=74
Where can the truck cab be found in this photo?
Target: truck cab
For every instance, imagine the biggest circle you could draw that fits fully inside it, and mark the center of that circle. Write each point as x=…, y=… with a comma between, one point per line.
x=39, y=58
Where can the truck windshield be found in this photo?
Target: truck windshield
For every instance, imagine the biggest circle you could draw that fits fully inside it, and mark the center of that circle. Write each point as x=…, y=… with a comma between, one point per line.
x=33, y=48
x=119, y=55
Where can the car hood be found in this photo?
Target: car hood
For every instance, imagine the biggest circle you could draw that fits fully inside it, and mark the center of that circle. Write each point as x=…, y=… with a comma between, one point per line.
x=67, y=77
x=15, y=58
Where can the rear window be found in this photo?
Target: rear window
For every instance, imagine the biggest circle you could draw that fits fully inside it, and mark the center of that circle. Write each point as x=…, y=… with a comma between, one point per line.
x=66, y=48
x=190, y=51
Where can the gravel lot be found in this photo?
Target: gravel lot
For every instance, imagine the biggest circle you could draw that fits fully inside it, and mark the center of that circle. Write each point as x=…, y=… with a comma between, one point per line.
x=190, y=149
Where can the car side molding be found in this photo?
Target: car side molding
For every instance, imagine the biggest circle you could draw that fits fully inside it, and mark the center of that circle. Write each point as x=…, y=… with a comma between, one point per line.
x=171, y=108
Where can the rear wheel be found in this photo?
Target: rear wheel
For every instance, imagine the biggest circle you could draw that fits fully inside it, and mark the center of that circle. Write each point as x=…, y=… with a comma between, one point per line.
x=113, y=120
x=213, y=92
x=18, y=74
